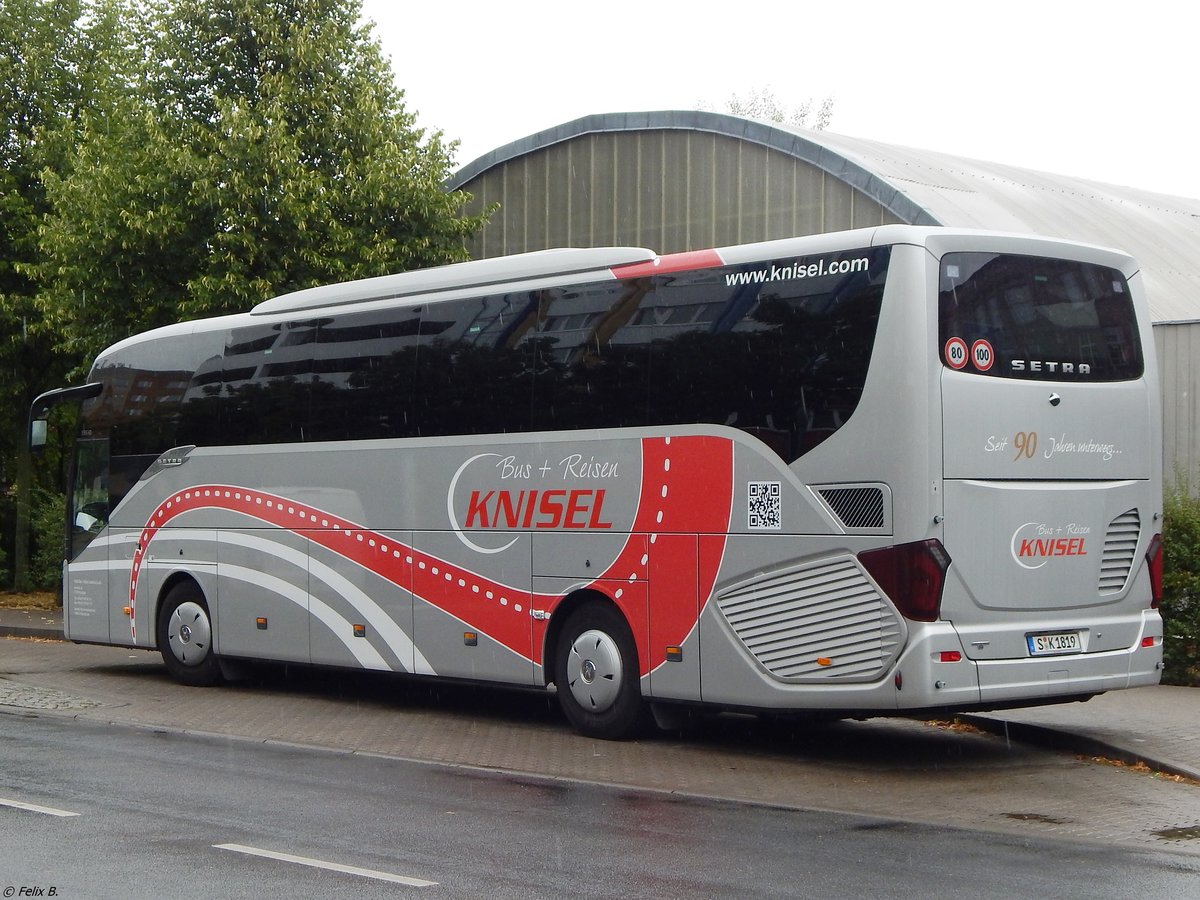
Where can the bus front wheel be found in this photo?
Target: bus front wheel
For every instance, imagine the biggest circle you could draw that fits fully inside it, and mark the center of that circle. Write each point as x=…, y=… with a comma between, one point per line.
x=596, y=673
x=185, y=637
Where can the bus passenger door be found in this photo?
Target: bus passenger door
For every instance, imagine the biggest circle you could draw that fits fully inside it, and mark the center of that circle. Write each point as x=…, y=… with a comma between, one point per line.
x=86, y=588
x=122, y=544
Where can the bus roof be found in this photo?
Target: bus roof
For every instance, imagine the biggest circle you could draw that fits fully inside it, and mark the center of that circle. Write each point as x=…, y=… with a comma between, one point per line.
x=478, y=273
x=601, y=263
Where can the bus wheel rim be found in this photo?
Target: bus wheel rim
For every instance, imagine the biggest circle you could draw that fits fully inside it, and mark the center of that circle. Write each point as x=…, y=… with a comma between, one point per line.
x=189, y=633
x=594, y=671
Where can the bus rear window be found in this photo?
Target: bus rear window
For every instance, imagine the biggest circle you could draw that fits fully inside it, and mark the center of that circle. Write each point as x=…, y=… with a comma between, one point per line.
x=1031, y=317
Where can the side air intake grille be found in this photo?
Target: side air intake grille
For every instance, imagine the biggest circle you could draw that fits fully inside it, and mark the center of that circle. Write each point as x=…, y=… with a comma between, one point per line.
x=818, y=622
x=1120, y=545
x=858, y=507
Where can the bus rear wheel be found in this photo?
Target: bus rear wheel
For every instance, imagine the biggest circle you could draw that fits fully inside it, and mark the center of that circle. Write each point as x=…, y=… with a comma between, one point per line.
x=185, y=637
x=596, y=673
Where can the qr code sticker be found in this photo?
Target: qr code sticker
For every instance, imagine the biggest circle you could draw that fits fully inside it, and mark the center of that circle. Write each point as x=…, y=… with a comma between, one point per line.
x=764, y=505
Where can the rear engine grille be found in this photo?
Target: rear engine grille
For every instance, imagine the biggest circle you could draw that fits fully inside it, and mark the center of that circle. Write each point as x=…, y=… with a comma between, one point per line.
x=817, y=622
x=1120, y=545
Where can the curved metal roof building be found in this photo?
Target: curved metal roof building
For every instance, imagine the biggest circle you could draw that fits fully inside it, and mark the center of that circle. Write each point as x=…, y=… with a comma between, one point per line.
x=687, y=180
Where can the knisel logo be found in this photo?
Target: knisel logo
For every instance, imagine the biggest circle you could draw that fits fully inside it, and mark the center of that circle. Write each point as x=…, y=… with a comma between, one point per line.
x=536, y=509
x=533, y=508
x=1034, y=544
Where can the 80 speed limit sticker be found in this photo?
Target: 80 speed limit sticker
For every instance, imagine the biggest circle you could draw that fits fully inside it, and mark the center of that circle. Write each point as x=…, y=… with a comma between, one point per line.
x=956, y=353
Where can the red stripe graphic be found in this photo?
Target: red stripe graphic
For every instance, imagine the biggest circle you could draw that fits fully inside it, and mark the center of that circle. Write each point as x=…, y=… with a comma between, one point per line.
x=686, y=488
x=672, y=262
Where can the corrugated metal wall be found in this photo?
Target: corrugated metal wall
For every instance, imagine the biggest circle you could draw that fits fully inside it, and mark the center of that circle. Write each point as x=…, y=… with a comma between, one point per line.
x=1178, y=346
x=669, y=190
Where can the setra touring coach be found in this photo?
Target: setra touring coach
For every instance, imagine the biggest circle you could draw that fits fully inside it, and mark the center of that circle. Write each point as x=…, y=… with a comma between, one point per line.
x=866, y=473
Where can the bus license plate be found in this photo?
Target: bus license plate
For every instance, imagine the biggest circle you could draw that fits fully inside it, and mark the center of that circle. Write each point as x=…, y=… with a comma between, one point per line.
x=1051, y=644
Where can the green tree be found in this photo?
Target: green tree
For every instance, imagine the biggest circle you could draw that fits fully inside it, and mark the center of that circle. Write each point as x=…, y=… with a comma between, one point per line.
x=58, y=61
x=167, y=159
x=267, y=150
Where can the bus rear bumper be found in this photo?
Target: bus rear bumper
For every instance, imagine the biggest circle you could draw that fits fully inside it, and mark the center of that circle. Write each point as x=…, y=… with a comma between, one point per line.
x=928, y=678
x=1038, y=679
x=933, y=672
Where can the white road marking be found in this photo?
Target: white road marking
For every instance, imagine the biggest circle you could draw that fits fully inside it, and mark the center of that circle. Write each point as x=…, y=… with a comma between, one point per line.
x=332, y=867
x=33, y=807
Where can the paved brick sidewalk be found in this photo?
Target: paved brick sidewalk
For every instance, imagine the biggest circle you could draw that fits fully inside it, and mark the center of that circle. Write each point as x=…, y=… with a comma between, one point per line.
x=1159, y=726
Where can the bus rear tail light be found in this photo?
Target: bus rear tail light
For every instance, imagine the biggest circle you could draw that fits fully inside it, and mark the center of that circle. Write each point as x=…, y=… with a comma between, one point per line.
x=1154, y=558
x=912, y=576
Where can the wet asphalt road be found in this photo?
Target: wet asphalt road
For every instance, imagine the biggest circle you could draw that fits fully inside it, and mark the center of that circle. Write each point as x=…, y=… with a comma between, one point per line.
x=489, y=793
x=167, y=814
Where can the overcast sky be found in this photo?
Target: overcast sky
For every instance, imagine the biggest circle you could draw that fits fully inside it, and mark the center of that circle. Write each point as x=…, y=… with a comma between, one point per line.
x=1099, y=90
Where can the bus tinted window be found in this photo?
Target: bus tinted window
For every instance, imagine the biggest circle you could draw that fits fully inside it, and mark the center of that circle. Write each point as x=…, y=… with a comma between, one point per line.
x=470, y=378
x=144, y=405
x=447, y=368
x=265, y=384
x=364, y=369
x=779, y=350
x=591, y=360
x=1045, y=319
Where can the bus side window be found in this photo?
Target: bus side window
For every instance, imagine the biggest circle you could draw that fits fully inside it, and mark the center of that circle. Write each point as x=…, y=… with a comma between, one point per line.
x=783, y=360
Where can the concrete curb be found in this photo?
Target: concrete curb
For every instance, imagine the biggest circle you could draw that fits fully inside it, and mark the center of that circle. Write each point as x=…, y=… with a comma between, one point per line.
x=1073, y=742
x=31, y=623
x=18, y=631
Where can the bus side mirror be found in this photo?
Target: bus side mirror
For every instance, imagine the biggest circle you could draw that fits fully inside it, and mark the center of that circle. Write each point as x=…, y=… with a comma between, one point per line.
x=37, y=435
x=38, y=430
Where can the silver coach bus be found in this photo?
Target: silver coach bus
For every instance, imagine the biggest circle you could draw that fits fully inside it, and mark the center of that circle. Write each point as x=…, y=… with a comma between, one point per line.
x=872, y=472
